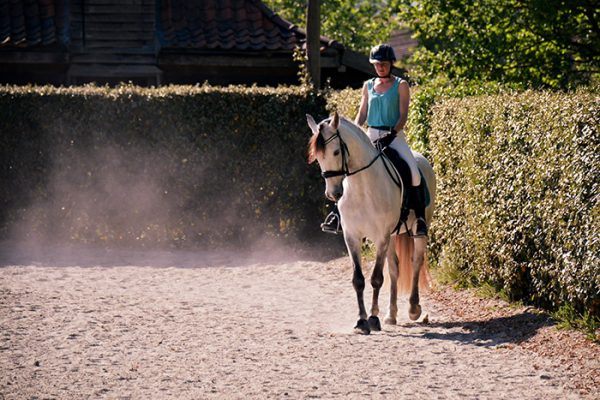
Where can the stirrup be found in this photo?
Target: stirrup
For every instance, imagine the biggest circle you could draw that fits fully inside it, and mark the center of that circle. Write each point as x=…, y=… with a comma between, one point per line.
x=332, y=224
x=421, y=229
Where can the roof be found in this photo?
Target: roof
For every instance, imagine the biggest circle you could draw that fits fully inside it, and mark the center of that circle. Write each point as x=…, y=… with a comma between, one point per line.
x=31, y=23
x=193, y=24
x=169, y=41
x=228, y=25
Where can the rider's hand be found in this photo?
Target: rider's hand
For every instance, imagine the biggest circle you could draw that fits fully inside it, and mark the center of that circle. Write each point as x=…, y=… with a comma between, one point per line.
x=386, y=140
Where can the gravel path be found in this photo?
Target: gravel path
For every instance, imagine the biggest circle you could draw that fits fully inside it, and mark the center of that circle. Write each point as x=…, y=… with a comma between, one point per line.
x=275, y=330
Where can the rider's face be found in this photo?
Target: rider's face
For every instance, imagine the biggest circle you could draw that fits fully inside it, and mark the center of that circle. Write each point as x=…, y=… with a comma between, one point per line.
x=382, y=68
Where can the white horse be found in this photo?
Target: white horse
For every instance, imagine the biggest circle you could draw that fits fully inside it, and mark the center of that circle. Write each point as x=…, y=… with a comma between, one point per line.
x=361, y=180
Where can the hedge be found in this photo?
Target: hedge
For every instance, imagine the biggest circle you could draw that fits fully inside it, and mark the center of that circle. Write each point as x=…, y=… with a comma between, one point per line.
x=185, y=165
x=518, y=174
x=345, y=102
x=518, y=194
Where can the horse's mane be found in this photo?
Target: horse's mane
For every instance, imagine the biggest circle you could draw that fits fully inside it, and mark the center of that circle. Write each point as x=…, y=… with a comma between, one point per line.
x=356, y=130
x=316, y=144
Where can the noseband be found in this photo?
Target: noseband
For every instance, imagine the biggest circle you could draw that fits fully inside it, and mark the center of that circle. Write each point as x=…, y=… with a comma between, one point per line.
x=345, y=153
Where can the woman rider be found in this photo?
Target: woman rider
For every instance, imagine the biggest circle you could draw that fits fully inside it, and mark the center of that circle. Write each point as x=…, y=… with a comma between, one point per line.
x=384, y=106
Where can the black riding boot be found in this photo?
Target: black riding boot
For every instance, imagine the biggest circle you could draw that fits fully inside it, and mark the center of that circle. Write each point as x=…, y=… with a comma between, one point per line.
x=418, y=195
x=332, y=222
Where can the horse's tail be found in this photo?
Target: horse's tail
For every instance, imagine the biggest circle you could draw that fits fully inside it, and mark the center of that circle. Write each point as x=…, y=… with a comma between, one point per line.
x=405, y=249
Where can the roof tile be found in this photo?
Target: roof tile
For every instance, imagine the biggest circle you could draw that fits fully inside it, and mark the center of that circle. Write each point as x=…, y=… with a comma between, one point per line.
x=30, y=23
x=197, y=24
x=227, y=24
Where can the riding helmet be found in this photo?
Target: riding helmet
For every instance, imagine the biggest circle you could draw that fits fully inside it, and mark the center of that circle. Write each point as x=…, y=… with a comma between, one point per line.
x=382, y=52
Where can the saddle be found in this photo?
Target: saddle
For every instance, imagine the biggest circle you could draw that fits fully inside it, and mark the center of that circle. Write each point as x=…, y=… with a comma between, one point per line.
x=411, y=196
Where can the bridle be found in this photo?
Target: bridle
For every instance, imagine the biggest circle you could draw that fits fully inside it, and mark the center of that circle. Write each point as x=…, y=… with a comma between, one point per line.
x=345, y=153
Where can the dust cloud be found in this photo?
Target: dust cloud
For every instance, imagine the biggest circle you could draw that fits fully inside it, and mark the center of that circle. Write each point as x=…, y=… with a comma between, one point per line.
x=112, y=202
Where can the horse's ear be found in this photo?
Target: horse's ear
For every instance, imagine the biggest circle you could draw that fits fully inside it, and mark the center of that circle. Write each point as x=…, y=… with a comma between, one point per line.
x=335, y=120
x=312, y=124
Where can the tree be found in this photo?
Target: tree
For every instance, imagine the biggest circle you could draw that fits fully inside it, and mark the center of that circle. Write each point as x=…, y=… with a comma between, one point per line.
x=313, y=29
x=537, y=43
x=357, y=24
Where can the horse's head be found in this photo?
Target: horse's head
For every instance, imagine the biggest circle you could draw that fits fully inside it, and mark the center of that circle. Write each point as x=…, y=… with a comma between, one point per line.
x=326, y=148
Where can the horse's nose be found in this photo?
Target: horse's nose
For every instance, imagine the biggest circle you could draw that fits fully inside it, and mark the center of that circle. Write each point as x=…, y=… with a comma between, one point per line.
x=335, y=195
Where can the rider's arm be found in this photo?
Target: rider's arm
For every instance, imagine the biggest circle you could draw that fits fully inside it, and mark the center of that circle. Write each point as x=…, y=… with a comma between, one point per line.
x=404, y=93
x=361, y=117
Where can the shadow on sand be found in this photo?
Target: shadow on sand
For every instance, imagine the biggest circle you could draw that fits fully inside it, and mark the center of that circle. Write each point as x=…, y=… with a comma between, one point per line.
x=493, y=332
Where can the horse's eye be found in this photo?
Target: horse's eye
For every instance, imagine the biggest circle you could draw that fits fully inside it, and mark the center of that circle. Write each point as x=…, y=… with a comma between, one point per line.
x=336, y=153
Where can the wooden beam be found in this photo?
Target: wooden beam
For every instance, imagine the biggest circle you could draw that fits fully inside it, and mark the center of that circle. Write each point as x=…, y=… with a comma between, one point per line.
x=114, y=71
x=313, y=41
x=258, y=59
x=357, y=61
x=112, y=58
x=225, y=61
x=33, y=57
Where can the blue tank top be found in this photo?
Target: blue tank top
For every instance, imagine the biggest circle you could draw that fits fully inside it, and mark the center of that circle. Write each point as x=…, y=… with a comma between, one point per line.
x=384, y=108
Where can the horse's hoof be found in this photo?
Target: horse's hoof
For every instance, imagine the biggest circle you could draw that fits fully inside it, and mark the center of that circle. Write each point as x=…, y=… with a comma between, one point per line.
x=414, y=312
x=390, y=321
x=374, y=323
x=362, y=327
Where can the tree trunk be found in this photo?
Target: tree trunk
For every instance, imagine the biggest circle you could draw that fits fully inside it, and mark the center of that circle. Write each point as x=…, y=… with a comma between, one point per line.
x=313, y=42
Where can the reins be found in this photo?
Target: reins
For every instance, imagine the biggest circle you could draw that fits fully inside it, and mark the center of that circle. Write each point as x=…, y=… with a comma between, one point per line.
x=345, y=153
x=395, y=177
x=346, y=172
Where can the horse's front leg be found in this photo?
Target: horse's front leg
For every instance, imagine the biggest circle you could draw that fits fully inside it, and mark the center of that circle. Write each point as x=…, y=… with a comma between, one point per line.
x=358, y=281
x=377, y=282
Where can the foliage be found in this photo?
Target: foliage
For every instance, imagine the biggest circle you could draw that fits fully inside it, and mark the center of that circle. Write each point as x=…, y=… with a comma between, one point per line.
x=569, y=318
x=536, y=43
x=358, y=24
x=171, y=166
x=345, y=102
x=518, y=200
x=425, y=97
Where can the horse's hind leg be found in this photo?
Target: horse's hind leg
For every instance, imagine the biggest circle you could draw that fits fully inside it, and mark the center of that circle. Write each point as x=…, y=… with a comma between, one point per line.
x=376, y=283
x=420, y=246
x=358, y=281
x=393, y=268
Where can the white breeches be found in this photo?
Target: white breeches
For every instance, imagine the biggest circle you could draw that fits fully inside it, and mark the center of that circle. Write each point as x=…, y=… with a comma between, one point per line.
x=401, y=146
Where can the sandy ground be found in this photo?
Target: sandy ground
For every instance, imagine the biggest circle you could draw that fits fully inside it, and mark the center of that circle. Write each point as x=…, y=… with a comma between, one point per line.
x=228, y=327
